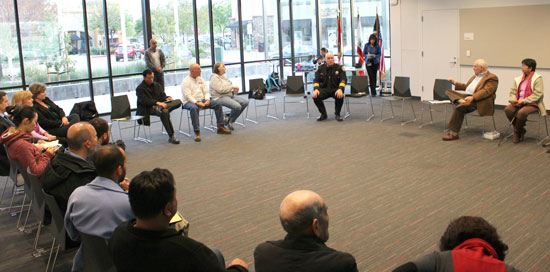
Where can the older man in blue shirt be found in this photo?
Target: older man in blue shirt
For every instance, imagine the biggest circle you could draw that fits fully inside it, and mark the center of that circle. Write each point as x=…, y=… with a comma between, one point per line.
x=101, y=205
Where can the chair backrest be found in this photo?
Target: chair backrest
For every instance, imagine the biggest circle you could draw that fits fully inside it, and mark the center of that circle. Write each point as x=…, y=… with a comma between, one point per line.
x=96, y=253
x=13, y=167
x=120, y=107
x=359, y=84
x=295, y=85
x=58, y=224
x=440, y=87
x=38, y=202
x=402, y=86
x=255, y=84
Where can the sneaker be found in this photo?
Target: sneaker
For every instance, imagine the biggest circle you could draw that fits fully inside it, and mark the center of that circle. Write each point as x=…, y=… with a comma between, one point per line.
x=173, y=140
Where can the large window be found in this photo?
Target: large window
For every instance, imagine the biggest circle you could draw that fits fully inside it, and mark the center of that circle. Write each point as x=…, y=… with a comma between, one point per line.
x=104, y=55
x=10, y=72
x=226, y=31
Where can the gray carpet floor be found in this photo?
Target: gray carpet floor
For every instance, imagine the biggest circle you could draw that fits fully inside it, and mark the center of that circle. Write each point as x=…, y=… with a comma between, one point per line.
x=391, y=189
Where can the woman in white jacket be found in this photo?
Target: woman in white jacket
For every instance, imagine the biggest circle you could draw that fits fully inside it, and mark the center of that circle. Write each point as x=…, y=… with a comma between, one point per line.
x=224, y=92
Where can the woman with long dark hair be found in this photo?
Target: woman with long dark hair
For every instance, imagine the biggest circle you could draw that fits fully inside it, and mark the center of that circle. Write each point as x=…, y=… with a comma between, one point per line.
x=373, y=52
x=18, y=141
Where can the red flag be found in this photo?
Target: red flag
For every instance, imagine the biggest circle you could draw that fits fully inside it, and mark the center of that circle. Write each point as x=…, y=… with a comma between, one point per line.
x=359, y=44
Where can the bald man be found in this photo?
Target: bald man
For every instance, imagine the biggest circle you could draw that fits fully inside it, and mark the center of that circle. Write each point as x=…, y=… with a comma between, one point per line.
x=196, y=96
x=304, y=217
x=69, y=169
x=330, y=81
x=477, y=94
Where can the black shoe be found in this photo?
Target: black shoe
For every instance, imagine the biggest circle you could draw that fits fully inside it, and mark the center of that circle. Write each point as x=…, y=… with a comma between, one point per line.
x=339, y=118
x=173, y=140
x=322, y=117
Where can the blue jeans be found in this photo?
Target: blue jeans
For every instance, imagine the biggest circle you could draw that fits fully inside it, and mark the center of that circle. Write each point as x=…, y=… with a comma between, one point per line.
x=236, y=104
x=194, y=111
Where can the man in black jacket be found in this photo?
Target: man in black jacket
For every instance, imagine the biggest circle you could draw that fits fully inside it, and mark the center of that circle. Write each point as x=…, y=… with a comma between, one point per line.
x=304, y=217
x=146, y=243
x=330, y=81
x=69, y=170
x=5, y=123
x=153, y=100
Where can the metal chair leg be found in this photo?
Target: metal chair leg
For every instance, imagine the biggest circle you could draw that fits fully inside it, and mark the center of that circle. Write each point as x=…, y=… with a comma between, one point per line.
x=21, y=211
x=371, y=108
x=50, y=258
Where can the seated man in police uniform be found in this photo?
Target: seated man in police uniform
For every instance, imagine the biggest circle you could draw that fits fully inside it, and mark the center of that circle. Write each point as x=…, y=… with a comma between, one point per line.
x=330, y=81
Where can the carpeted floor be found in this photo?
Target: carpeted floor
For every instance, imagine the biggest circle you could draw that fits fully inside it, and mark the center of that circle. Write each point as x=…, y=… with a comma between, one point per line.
x=391, y=189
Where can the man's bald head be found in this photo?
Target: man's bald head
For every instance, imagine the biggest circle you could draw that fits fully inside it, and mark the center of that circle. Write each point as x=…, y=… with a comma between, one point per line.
x=195, y=70
x=81, y=135
x=330, y=59
x=299, y=212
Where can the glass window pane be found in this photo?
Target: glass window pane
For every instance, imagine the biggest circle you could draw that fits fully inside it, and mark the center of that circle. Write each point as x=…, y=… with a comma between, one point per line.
x=53, y=40
x=259, y=24
x=285, y=17
x=258, y=70
x=329, y=27
x=203, y=22
x=226, y=31
x=96, y=30
x=172, y=26
x=305, y=35
x=367, y=10
x=10, y=71
x=124, y=41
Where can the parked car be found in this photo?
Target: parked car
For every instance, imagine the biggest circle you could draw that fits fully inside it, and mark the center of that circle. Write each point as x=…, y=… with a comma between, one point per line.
x=181, y=51
x=301, y=52
x=131, y=52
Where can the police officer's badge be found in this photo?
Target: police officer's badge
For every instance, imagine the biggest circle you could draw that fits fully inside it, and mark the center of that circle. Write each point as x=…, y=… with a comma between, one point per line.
x=336, y=73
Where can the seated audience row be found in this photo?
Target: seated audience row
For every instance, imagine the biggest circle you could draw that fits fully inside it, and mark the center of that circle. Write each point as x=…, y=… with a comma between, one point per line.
x=50, y=116
x=196, y=96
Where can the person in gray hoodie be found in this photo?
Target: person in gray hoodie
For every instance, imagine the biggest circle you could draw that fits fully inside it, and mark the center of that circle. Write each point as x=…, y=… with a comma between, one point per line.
x=224, y=92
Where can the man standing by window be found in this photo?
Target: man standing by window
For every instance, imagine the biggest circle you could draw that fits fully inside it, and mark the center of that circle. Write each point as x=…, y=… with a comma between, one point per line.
x=155, y=60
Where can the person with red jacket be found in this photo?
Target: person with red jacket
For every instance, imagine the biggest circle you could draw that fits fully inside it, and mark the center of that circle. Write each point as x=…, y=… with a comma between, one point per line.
x=469, y=244
x=18, y=141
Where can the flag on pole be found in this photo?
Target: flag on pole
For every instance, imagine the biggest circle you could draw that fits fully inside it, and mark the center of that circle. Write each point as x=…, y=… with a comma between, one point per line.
x=339, y=37
x=376, y=29
x=360, y=44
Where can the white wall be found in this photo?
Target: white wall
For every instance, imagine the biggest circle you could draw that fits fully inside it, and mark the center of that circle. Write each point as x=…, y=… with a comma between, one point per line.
x=406, y=45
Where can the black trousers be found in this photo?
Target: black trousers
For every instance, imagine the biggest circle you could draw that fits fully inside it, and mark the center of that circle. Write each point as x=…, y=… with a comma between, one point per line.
x=165, y=114
x=159, y=77
x=62, y=131
x=372, y=70
x=324, y=94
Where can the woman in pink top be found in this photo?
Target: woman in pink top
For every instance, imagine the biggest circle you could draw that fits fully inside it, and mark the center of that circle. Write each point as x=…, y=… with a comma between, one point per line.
x=526, y=97
x=24, y=98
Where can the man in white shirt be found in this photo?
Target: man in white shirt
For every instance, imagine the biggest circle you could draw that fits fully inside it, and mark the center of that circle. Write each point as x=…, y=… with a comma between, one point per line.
x=196, y=97
x=477, y=94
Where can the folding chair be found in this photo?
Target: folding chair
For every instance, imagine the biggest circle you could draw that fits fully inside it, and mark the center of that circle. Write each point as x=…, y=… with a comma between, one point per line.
x=258, y=84
x=205, y=112
x=359, y=88
x=57, y=227
x=96, y=254
x=13, y=176
x=38, y=207
x=439, y=98
x=121, y=112
x=401, y=91
x=295, y=88
x=539, y=140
